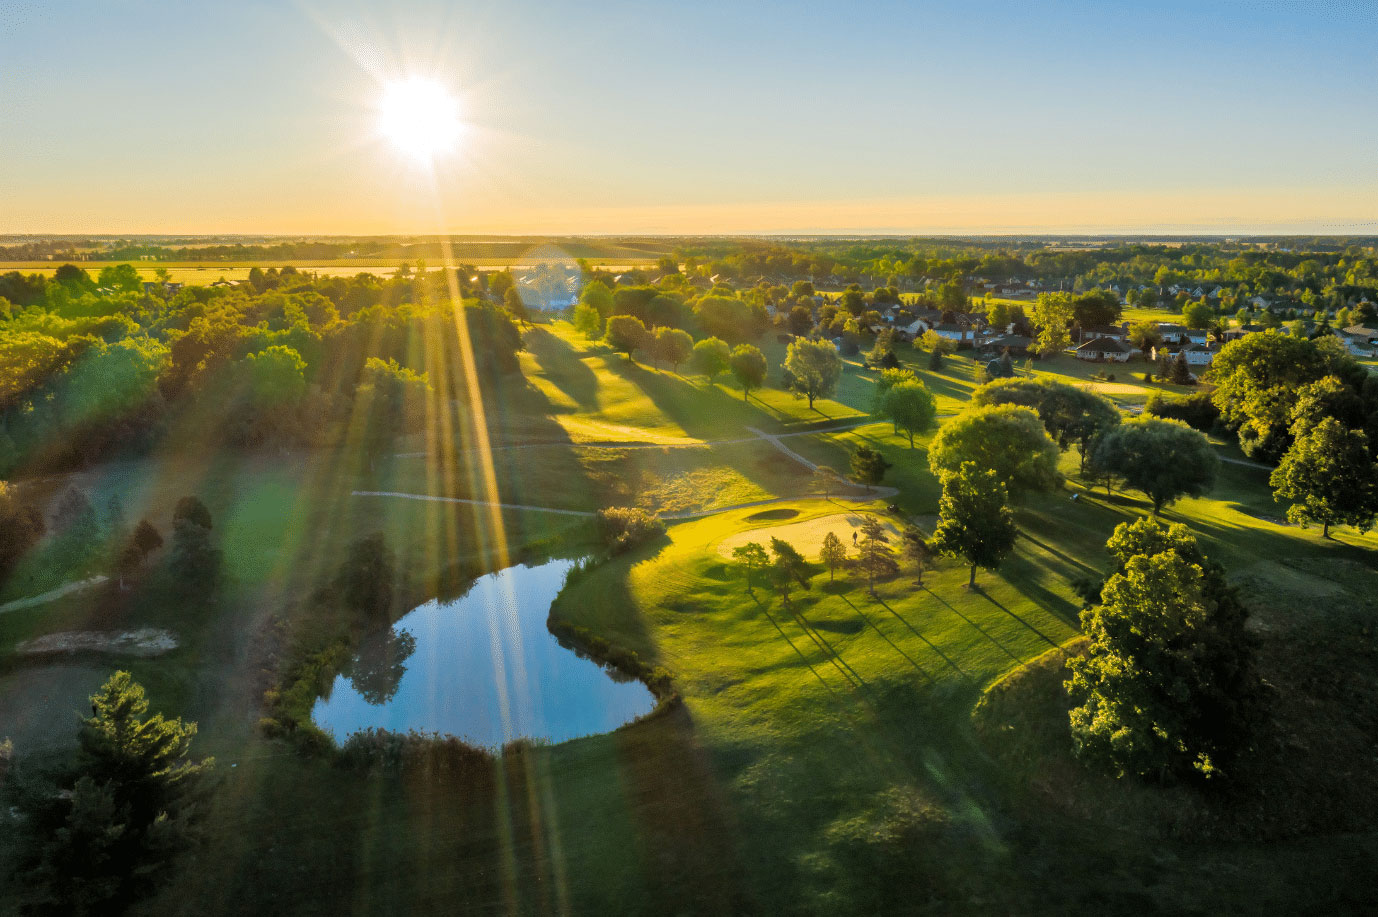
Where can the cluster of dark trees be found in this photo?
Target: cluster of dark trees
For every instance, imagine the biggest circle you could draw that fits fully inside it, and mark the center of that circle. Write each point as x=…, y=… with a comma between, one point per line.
x=1308, y=406
x=101, y=833
x=85, y=371
x=79, y=540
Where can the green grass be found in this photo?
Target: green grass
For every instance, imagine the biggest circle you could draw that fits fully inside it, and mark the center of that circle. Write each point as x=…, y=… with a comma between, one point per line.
x=823, y=759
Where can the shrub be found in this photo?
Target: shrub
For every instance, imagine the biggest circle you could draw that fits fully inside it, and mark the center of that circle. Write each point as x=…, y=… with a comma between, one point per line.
x=623, y=527
x=1195, y=410
x=412, y=752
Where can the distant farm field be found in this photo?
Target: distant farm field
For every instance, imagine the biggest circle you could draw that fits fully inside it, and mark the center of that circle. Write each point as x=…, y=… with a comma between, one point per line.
x=205, y=272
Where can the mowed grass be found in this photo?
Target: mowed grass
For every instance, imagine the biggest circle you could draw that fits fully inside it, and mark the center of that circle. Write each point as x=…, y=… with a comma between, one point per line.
x=822, y=760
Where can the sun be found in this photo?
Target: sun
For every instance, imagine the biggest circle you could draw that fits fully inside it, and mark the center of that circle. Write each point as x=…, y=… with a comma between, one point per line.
x=420, y=117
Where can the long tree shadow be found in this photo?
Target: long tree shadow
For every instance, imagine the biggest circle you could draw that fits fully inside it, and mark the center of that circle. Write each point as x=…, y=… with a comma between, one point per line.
x=700, y=412
x=987, y=596
x=1060, y=555
x=564, y=367
x=805, y=659
x=983, y=631
x=931, y=645
x=910, y=659
x=833, y=656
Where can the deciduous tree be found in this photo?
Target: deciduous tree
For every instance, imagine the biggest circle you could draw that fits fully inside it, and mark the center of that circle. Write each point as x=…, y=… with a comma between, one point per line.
x=815, y=368
x=1164, y=459
x=868, y=466
x=1052, y=316
x=748, y=368
x=832, y=554
x=751, y=556
x=975, y=521
x=1330, y=474
x=1007, y=439
x=626, y=334
x=1166, y=687
x=711, y=357
x=910, y=406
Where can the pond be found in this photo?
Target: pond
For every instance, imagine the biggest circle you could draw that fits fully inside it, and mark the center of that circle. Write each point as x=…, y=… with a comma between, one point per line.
x=482, y=667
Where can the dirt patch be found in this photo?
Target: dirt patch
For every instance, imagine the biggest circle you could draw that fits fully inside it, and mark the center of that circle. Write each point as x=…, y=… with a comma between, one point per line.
x=807, y=536
x=143, y=642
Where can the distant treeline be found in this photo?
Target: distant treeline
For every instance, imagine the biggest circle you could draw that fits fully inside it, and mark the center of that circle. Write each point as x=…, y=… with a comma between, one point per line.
x=90, y=371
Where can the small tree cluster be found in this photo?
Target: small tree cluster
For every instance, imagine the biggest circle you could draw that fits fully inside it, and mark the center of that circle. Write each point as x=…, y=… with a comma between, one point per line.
x=623, y=527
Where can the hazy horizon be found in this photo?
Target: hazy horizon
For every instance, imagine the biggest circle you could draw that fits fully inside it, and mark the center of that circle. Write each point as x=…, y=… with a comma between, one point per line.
x=138, y=116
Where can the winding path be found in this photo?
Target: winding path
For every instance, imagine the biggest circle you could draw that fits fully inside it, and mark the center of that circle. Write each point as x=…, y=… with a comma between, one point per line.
x=52, y=595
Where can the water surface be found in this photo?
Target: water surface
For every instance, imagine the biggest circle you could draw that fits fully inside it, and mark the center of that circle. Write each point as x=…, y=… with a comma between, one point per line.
x=482, y=667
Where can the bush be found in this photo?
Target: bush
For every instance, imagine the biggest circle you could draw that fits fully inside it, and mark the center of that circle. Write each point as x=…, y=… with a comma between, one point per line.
x=1195, y=410
x=623, y=527
x=433, y=754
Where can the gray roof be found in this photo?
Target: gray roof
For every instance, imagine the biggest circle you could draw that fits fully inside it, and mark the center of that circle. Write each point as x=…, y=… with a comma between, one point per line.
x=1104, y=345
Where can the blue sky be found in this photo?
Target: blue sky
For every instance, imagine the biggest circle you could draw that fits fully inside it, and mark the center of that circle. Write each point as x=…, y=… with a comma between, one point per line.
x=140, y=116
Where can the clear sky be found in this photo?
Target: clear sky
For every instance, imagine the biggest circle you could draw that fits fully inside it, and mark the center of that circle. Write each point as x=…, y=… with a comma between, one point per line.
x=258, y=116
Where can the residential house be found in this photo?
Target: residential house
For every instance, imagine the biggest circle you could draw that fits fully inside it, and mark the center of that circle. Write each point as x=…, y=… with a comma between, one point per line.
x=1104, y=350
x=1016, y=344
x=1360, y=340
x=1114, y=332
x=1196, y=354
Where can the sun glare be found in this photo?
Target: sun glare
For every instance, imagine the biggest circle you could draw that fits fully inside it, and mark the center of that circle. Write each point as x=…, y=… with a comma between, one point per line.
x=420, y=117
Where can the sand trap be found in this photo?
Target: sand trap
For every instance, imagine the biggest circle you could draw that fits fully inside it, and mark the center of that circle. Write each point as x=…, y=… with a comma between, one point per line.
x=145, y=641
x=807, y=536
x=1116, y=388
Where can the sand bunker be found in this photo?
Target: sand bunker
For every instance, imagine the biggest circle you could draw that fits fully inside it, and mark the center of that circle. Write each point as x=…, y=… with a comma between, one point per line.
x=145, y=641
x=807, y=536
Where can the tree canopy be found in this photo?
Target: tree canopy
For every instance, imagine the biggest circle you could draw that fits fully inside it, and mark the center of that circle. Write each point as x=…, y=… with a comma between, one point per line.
x=814, y=367
x=911, y=407
x=1330, y=474
x=1008, y=439
x=1164, y=459
x=975, y=521
x=748, y=368
x=1166, y=687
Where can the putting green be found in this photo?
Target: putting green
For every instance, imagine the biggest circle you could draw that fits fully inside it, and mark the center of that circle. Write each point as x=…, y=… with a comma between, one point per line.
x=807, y=536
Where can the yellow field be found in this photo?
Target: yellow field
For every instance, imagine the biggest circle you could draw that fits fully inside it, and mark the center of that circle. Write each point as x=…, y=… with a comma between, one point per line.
x=210, y=271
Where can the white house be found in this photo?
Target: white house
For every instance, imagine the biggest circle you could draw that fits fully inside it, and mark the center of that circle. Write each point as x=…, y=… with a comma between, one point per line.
x=1104, y=350
x=1196, y=354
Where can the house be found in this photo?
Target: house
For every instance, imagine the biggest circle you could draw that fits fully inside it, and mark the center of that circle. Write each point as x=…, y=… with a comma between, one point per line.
x=1103, y=350
x=1016, y=344
x=1196, y=354
x=1177, y=334
x=1201, y=354
x=1113, y=332
x=953, y=331
x=1360, y=340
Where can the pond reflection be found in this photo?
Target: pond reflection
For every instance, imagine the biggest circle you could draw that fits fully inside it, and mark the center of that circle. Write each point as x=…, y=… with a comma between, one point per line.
x=482, y=667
